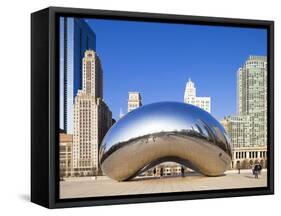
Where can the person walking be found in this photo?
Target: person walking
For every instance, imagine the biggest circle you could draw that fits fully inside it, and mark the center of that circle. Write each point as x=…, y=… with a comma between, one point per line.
x=259, y=168
x=238, y=168
x=182, y=171
x=161, y=172
x=154, y=171
x=256, y=171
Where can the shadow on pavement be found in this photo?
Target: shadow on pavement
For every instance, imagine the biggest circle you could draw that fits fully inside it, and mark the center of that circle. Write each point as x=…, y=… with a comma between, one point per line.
x=25, y=197
x=251, y=176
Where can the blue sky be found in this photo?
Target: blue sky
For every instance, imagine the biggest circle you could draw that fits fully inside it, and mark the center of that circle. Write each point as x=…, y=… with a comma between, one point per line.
x=157, y=59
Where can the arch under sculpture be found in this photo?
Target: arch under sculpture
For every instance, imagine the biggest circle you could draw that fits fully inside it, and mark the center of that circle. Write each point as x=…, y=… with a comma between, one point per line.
x=165, y=131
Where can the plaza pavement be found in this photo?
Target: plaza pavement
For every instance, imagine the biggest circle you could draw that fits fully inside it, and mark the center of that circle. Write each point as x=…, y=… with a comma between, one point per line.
x=103, y=186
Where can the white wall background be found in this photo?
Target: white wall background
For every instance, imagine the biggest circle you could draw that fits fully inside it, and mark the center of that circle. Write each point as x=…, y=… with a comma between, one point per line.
x=15, y=106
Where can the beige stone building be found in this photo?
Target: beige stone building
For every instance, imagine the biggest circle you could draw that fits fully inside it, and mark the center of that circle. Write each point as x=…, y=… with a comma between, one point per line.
x=134, y=101
x=191, y=98
x=246, y=157
x=92, y=118
x=65, y=146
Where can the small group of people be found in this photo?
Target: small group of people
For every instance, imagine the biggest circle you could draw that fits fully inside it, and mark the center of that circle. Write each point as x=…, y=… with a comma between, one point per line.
x=161, y=171
x=257, y=170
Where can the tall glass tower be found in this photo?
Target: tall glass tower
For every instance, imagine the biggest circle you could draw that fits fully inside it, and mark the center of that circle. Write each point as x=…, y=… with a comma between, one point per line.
x=76, y=37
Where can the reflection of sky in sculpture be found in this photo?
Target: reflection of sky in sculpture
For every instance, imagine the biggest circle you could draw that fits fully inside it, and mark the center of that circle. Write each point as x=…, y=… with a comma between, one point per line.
x=159, y=117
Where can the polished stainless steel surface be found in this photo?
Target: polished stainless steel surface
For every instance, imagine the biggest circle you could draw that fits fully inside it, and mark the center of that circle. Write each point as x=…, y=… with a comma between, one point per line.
x=165, y=131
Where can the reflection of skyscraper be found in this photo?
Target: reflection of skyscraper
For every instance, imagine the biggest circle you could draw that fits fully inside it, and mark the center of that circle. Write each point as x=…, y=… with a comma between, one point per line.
x=121, y=114
x=75, y=37
x=191, y=98
x=134, y=101
x=92, y=117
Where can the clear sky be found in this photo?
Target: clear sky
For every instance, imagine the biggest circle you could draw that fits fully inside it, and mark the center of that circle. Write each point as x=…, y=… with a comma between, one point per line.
x=157, y=59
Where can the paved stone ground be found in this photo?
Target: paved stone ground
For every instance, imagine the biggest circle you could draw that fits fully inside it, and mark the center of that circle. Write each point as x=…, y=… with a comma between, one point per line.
x=103, y=186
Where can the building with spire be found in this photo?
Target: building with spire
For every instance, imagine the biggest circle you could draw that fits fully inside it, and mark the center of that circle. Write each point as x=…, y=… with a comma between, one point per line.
x=121, y=114
x=92, y=117
x=191, y=98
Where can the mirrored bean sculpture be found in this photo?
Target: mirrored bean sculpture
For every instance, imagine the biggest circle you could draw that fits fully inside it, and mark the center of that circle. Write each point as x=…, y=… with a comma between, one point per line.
x=162, y=132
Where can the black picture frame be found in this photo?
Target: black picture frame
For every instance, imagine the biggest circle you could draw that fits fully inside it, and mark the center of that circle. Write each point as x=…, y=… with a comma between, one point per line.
x=45, y=107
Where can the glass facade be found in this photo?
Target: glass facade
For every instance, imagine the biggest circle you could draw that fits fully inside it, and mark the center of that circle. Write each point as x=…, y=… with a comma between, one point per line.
x=75, y=37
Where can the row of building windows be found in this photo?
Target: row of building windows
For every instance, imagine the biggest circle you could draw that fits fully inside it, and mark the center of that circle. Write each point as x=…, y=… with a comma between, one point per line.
x=252, y=154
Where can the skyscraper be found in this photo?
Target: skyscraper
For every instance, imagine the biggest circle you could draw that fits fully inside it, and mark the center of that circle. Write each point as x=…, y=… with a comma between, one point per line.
x=252, y=97
x=75, y=37
x=134, y=101
x=191, y=98
x=248, y=129
x=92, y=118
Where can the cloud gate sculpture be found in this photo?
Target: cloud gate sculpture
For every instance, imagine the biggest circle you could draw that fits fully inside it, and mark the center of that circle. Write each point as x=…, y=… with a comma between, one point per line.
x=162, y=132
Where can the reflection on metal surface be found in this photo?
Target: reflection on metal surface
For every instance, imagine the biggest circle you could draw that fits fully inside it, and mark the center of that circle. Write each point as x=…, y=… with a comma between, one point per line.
x=165, y=131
